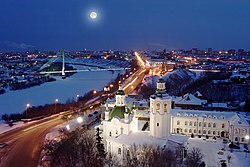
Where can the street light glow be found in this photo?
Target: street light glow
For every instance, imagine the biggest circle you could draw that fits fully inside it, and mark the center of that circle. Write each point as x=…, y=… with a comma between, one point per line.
x=67, y=127
x=79, y=120
x=247, y=137
x=27, y=105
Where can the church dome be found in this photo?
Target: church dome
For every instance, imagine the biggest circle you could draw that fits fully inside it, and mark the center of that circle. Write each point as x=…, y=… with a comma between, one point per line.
x=119, y=111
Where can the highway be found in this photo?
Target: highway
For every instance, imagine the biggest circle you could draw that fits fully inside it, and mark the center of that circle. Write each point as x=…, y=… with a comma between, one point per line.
x=25, y=143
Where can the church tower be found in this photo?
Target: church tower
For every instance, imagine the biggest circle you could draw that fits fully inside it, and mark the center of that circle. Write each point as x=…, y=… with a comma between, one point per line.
x=160, y=111
x=120, y=97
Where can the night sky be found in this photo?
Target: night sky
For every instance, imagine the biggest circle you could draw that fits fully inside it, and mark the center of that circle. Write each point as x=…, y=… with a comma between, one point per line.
x=124, y=24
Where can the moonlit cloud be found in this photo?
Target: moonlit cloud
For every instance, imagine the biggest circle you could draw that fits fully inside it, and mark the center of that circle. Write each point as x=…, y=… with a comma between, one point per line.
x=18, y=45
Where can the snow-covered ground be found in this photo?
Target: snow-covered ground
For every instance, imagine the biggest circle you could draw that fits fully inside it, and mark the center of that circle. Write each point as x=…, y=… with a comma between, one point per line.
x=211, y=149
x=78, y=84
x=5, y=127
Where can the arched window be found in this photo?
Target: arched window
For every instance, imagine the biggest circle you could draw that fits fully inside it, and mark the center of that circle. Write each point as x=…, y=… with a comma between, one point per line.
x=204, y=132
x=209, y=132
x=195, y=131
x=222, y=125
x=194, y=123
x=200, y=131
x=199, y=123
x=205, y=124
x=158, y=106
x=209, y=124
x=236, y=131
x=178, y=122
x=214, y=125
x=185, y=130
x=214, y=132
x=190, y=130
x=190, y=123
x=165, y=107
x=119, y=151
x=110, y=134
x=186, y=122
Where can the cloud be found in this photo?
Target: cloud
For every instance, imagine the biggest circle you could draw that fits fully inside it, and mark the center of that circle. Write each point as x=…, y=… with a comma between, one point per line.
x=18, y=45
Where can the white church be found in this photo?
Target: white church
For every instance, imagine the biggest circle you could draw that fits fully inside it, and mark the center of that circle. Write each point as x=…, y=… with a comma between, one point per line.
x=122, y=125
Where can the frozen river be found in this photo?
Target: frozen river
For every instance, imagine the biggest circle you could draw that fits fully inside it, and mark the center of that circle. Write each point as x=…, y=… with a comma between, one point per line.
x=61, y=89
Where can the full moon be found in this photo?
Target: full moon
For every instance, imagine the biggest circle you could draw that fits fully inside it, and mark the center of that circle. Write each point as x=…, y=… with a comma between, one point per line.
x=93, y=15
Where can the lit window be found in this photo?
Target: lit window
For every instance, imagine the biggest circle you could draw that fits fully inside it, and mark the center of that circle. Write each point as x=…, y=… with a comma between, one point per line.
x=158, y=106
x=165, y=107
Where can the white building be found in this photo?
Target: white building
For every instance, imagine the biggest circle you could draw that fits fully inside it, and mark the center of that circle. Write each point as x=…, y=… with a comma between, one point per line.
x=122, y=126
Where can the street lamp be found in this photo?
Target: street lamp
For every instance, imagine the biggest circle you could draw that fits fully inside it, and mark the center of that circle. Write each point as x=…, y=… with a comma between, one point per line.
x=247, y=138
x=27, y=106
x=77, y=97
x=56, y=101
x=94, y=92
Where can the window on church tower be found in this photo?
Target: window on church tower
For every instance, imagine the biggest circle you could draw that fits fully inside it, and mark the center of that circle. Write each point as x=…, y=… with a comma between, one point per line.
x=165, y=107
x=119, y=151
x=158, y=106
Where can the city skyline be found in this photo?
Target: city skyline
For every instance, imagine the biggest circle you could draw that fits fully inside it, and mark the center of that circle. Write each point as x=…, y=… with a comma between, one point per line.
x=126, y=25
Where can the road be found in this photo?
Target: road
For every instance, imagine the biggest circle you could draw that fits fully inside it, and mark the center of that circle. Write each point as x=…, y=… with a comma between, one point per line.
x=25, y=143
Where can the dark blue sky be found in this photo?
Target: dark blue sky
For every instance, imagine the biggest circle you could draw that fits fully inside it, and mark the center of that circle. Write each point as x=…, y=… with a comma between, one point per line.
x=124, y=24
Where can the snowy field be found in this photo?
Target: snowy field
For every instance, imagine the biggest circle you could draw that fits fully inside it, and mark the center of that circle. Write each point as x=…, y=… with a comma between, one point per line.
x=213, y=154
x=62, y=89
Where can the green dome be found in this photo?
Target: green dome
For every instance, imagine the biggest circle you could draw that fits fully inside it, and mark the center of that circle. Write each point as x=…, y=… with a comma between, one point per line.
x=118, y=111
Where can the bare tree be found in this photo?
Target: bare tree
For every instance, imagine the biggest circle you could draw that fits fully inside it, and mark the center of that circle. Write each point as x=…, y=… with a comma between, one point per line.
x=194, y=157
x=79, y=149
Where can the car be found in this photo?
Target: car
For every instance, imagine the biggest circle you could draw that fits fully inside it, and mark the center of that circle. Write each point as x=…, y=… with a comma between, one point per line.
x=96, y=112
x=90, y=115
x=2, y=145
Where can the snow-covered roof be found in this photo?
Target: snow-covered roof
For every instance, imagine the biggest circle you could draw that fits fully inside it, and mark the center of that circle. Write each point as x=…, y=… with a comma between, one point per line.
x=218, y=105
x=189, y=99
x=239, y=120
x=137, y=138
x=202, y=113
